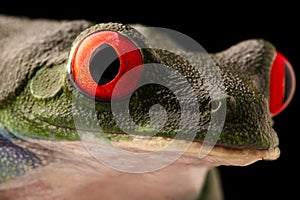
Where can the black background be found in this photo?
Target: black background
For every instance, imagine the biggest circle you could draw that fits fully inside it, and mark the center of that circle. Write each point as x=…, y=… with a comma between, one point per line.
x=216, y=27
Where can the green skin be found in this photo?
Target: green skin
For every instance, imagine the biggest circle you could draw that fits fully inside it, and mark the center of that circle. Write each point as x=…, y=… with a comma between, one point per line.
x=36, y=93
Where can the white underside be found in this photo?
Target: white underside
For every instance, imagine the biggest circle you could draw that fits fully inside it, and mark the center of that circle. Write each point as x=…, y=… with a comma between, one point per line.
x=76, y=174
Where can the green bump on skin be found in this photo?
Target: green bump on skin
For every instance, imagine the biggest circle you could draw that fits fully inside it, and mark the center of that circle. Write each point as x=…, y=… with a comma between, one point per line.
x=41, y=117
x=47, y=82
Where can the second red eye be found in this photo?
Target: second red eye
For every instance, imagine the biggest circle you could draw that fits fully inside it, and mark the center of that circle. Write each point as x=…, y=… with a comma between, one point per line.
x=282, y=84
x=100, y=60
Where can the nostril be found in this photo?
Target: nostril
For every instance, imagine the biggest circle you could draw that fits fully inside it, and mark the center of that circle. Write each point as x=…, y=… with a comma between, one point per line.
x=282, y=84
x=215, y=105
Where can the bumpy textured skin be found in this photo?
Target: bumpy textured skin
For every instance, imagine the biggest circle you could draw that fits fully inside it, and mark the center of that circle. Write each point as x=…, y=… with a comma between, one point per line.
x=36, y=89
x=28, y=45
x=254, y=57
x=18, y=157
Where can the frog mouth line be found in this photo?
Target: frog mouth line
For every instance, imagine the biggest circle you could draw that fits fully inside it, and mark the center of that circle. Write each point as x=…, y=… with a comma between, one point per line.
x=120, y=135
x=219, y=155
x=232, y=154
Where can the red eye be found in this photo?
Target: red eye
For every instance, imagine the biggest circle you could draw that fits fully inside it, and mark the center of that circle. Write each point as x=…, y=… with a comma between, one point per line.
x=282, y=84
x=99, y=62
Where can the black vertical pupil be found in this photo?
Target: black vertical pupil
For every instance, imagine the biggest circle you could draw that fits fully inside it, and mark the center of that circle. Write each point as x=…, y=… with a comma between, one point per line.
x=287, y=83
x=104, y=64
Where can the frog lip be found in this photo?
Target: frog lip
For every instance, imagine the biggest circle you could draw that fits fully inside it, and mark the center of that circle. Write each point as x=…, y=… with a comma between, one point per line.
x=223, y=154
x=120, y=135
x=220, y=154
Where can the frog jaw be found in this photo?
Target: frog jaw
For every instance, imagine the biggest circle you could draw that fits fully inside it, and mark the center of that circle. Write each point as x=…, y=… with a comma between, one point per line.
x=219, y=154
x=190, y=150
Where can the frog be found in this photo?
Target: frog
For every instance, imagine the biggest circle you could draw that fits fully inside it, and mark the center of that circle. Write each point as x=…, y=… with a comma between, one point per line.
x=46, y=64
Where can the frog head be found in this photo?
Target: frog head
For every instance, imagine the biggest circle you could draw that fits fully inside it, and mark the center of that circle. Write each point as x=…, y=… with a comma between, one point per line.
x=52, y=63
